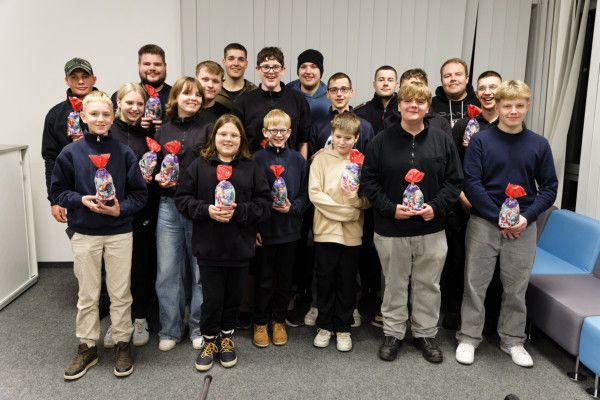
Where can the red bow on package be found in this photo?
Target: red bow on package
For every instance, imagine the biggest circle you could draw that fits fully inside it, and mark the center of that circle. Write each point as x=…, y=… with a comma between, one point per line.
x=263, y=143
x=356, y=157
x=473, y=111
x=277, y=170
x=153, y=145
x=514, y=191
x=223, y=172
x=105, y=188
x=100, y=160
x=414, y=176
x=151, y=91
x=76, y=103
x=172, y=147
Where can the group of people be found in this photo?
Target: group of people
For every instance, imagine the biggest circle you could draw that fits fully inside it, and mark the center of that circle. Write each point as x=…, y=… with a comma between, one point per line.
x=226, y=180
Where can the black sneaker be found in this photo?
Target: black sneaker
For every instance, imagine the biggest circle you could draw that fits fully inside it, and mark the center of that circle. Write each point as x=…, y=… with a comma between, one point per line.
x=295, y=318
x=227, y=354
x=208, y=352
x=388, y=351
x=244, y=320
x=123, y=360
x=430, y=349
x=85, y=358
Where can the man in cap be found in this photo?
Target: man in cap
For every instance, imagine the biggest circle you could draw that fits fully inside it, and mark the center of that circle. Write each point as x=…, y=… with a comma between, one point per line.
x=310, y=70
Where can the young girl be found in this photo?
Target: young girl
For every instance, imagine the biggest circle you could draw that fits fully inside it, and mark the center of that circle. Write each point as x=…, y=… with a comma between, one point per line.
x=223, y=237
x=131, y=98
x=177, y=272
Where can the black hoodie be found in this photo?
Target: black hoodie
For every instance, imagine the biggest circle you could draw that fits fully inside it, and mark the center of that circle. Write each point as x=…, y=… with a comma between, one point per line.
x=374, y=112
x=450, y=109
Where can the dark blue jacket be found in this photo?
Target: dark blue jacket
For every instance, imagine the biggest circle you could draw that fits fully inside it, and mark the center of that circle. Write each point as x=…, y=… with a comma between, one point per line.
x=73, y=177
x=285, y=228
x=320, y=132
x=374, y=112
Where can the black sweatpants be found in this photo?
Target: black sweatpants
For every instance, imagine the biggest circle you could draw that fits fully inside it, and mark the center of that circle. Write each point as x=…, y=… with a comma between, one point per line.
x=143, y=265
x=336, y=267
x=369, y=266
x=273, y=282
x=222, y=294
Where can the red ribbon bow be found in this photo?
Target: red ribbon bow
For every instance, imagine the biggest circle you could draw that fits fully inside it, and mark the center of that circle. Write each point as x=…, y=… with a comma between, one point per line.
x=153, y=145
x=223, y=172
x=100, y=160
x=473, y=111
x=514, y=191
x=76, y=103
x=277, y=170
x=356, y=157
x=151, y=91
x=173, y=146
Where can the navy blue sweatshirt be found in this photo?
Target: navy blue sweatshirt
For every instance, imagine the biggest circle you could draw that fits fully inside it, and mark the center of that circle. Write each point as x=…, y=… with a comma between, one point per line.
x=218, y=244
x=73, y=177
x=285, y=228
x=391, y=154
x=495, y=158
x=374, y=112
x=320, y=132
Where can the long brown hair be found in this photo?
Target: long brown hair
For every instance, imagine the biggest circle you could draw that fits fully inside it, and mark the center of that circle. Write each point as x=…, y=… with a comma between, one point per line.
x=211, y=149
x=182, y=85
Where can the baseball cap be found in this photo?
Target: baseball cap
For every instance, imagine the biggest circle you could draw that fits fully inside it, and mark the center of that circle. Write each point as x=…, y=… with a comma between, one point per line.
x=78, y=63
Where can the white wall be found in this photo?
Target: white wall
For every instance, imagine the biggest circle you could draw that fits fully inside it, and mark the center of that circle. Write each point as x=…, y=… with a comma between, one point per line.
x=37, y=38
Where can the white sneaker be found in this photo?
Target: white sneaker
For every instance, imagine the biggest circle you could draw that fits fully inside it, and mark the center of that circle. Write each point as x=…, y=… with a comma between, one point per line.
x=198, y=342
x=465, y=353
x=519, y=355
x=310, y=319
x=357, y=319
x=109, y=342
x=323, y=337
x=343, y=341
x=166, y=344
x=140, y=332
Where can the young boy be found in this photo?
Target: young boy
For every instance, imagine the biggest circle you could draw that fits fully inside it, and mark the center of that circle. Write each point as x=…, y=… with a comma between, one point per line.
x=337, y=233
x=502, y=154
x=102, y=229
x=278, y=235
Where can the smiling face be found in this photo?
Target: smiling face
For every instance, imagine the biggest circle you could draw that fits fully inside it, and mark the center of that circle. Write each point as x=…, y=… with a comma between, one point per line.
x=270, y=72
x=131, y=107
x=235, y=63
x=211, y=84
x=99, y=116
x=227, y=141
x=189, y=102
x=413, y=110
x=152, y=69
x=454, y=80
x=511, y=114
x=80, y=82
x=277, y=134
x=309, y=75
x=486, y=90
x=339, y=93
x=385, y=83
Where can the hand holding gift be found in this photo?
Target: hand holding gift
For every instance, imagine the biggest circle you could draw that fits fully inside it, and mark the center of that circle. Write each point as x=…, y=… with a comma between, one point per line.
x=413, y=197
x=149, y=159
x=169, y=169
x=279, y=192
x=351, y=173
x=74, y=130
x=224, y=192
x=153, y=108
x=105, y=188
x=473, y=125
x=509, y=213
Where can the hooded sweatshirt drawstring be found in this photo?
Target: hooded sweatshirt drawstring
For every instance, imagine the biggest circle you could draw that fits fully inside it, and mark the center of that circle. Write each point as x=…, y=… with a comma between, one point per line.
x=462, y=111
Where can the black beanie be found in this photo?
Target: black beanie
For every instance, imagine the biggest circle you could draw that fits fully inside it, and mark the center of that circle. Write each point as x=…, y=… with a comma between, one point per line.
x=311, y=56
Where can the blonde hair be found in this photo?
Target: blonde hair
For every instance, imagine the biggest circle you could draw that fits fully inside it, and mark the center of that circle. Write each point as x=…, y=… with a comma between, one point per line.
x=513, y=89
x=181, y=85
x=97, y=96
x=212, y=68
x=124, y=90
x=346, y=122
x=276, y=117
x=415, y=91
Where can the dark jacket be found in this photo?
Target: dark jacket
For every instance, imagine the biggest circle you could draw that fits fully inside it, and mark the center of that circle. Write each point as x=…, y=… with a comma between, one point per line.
x=227, y=98
x=374, y=112
x=320, y=132
x=389, y=157
x=215, y=243
x=213, y=113
x=432, y=119
x=73, y=177
x=192, y=132
x=285, y=228
x=450, y=109
x=458, y=132
x=54, y=137
x=251, y=108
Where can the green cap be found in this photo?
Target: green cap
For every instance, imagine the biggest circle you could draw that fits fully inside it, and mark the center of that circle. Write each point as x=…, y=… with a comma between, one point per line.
x=78, y=63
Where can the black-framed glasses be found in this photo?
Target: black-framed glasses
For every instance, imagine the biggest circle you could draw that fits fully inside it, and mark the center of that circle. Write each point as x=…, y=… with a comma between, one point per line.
x=341, y=90
x=266, y=68
x=276, y=131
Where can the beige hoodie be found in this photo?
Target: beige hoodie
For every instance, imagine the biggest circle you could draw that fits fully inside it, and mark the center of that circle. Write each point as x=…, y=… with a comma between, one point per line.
x=337, y=219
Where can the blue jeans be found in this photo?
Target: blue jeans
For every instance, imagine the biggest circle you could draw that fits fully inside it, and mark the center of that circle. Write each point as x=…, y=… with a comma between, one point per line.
x=178, y=276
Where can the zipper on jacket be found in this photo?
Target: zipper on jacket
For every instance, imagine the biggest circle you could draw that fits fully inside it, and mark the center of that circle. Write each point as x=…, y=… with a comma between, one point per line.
x=412, y=152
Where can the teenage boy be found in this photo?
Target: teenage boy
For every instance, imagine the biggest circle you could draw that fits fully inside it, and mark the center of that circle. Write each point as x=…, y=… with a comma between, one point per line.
x=337, y=233
x=411, y=243
x=251, y=107
x=502, y=154
x=310, y=71
x=235, y=62
x=102, y=230
x=279, y=234
x=210, y=75
x=455, y=93
x=80, y=80
x=384, y=101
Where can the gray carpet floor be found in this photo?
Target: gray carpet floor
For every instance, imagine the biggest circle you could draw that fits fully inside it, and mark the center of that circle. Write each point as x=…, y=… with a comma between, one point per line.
x=37, y=341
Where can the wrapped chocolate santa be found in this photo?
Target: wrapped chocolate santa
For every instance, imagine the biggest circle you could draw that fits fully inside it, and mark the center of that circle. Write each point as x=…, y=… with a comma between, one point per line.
x=509, y=212
x=413, y=197
x=105, y=188
x=74, y=130
x=224, y=192
x=473, y=125
x=279, y=192
x=148, y=161
x=351, y=173
x=169, y=169
x=153, y=107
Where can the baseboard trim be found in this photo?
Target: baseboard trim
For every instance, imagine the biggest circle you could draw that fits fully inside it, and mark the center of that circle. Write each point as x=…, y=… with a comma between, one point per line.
x=55, y=264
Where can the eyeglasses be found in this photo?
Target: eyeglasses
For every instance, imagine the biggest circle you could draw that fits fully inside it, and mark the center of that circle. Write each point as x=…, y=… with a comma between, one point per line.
x=341, y=90
x=491, y=88
x=276, y=131
x=266, y=68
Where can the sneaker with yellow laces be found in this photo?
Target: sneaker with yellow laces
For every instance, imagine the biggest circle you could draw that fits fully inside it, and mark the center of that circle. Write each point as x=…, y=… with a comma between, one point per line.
x=208, y=352
x=227, y=354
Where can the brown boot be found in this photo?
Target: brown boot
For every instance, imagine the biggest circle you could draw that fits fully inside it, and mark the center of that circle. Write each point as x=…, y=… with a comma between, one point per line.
x=280, y=336
x=123, y=360
x=86, y=357
x=260, y=336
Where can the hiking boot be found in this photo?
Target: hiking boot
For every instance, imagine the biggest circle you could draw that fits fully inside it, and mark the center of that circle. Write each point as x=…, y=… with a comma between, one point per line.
x=430, y=349
x=227, y=354
x=208, y=352
x=280, y=336
x=141, y=336
x=388, y=350
x=260, y=336
x=123, y=360
x=86, y=358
